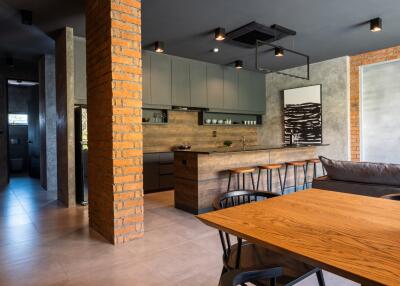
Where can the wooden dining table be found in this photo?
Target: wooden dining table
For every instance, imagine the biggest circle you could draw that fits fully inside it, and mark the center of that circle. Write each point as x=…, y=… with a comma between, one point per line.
x=356, y=237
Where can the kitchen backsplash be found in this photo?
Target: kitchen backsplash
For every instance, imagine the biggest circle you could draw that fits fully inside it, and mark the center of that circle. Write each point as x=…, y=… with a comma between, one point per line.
x=183, y=128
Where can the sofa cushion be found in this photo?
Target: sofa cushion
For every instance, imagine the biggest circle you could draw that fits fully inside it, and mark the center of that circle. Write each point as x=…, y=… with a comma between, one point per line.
x=362, y=172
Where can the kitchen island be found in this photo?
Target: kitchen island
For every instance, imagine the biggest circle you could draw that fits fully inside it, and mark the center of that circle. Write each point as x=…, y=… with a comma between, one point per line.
x=201, y=175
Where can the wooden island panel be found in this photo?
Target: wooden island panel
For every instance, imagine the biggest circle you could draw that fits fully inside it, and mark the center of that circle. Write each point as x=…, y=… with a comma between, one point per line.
x=202, y=176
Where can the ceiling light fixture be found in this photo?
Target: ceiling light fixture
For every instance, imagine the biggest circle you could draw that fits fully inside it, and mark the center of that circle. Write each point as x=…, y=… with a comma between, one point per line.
x=238, y=64
x=279, y=52
x=215, y=50
x=219, y=34
x=376, y=25
x=159, y=47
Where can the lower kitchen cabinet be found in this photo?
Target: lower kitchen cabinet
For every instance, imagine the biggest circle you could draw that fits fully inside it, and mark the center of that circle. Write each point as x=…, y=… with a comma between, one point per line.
x=158, y=171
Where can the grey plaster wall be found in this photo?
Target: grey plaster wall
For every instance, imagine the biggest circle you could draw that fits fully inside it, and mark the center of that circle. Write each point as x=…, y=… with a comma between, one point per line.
x=80, y=91
x=334, y=77
x=47, y=63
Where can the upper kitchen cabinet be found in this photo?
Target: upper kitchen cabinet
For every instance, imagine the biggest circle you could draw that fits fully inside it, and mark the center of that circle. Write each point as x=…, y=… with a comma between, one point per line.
x=146, y=94
x=180, y=82
x=215, y=86
x=160, y=80
x=251, y=92
x=198, y=84
x=231, y=88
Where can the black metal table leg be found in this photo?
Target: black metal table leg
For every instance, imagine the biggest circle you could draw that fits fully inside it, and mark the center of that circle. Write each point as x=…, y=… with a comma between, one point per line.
x=305, y=169
x=284, y=179
x=258, y=179
x=252, y=181
x=295, y=178
x=280, y=180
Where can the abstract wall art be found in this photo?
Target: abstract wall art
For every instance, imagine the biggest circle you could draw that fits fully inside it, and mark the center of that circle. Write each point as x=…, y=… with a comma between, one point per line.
x=303, y=115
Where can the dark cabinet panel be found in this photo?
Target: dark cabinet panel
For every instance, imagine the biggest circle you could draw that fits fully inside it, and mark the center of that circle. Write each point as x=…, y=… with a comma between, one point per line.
x=198, y=84
x=160, y=86
x=146, y=78
x=231, y=86
x=151, y=171
x=180, y=82
x=158, y=171
x=215, y=86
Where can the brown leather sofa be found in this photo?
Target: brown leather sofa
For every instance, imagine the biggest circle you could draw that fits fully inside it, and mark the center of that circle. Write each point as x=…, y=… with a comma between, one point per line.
x=361, y=178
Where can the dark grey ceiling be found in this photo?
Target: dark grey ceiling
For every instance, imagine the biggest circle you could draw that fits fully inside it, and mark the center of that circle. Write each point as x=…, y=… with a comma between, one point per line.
x=325, y=28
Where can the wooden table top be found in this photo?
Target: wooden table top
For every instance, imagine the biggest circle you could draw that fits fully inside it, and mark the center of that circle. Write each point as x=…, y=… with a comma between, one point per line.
x=356, y=237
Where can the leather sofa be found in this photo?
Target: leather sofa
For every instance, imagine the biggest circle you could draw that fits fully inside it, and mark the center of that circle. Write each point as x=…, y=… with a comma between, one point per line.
x=361, y=178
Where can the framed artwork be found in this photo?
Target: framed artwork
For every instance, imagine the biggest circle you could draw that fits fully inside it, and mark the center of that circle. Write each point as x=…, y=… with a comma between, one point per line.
x=302, y=110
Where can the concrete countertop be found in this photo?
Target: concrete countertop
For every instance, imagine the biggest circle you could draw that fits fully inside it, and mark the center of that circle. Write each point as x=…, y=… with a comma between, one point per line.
x=247, y=148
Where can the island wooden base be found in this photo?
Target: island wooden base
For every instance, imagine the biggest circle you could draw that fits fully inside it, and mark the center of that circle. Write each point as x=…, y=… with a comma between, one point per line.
x=201, y=177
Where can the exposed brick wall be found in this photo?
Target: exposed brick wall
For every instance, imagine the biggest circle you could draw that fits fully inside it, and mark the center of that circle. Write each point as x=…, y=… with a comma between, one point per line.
x=114, y=82
x=356, y=62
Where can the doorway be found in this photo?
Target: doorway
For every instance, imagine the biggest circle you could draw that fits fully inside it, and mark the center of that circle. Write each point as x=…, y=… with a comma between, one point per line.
x=23, y=129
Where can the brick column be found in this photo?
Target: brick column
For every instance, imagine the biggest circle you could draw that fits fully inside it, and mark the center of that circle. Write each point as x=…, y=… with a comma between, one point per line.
x=114, y=88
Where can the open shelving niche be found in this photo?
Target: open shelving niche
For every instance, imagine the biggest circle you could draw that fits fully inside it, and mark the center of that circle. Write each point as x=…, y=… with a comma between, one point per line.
x=236, y=119
x=152, y=116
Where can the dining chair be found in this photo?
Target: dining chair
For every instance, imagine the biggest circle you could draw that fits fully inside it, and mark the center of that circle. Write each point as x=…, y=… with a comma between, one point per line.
x=243, y=257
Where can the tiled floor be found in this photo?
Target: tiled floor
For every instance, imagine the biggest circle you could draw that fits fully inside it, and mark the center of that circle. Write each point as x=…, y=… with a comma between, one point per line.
x=42, y=243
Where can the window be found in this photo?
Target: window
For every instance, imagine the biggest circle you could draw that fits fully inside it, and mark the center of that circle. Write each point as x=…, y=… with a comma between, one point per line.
x=18, y=119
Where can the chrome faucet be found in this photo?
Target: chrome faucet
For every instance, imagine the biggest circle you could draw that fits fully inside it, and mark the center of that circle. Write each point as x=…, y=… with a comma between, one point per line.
x=243, y=142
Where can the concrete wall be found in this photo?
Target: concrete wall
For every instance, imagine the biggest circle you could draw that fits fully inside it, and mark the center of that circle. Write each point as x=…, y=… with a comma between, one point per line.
x=48, y=86
x=334, y=77
x=80, y=92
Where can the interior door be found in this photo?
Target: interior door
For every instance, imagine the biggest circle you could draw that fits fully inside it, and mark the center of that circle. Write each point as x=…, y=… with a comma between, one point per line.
x=3, y=134
x=34, y=136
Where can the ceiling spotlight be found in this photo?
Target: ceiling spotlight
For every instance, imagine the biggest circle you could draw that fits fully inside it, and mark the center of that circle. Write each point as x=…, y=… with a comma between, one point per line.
x=26, y=17
x=238, y=64
x=215, y=50
x=219, y=34
x=279, y=52
x=159, y=47
x=376, y=25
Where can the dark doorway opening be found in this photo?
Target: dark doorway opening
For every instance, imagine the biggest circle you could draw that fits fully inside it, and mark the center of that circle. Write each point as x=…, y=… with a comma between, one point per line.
x=23, y=128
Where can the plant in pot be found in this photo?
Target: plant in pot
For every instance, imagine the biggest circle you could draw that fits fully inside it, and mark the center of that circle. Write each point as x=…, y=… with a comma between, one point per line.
x=228, y=143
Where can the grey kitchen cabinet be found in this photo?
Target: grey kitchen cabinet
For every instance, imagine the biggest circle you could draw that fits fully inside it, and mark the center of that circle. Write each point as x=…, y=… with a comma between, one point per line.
x=231, y=88
x=158, y=173
x=146, y=94
x=245, y=90
x=198, y=84
x=259, y=100
x=180, y=82
x=160, y=86
x=251, y=92
x=215, y=86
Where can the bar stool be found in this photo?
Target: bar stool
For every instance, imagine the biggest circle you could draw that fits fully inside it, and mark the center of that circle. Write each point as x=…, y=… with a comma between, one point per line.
x=241, y=171
x=295, y=165
x=269, y=168
x=314, y=162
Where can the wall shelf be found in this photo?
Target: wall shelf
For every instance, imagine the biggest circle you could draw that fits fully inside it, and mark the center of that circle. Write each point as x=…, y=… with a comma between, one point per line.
x=152, y=116
x=234, y=119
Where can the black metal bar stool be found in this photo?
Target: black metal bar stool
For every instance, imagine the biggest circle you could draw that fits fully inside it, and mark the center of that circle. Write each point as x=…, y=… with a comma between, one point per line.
x=269, y=168
x=295, y=165
x=241, y=171
x=314, y=163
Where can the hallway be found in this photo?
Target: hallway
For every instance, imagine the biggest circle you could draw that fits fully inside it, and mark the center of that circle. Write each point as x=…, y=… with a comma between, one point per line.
x=42, y=243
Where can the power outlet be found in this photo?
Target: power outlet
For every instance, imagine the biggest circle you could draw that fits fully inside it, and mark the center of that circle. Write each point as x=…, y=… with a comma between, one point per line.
x=214, y=133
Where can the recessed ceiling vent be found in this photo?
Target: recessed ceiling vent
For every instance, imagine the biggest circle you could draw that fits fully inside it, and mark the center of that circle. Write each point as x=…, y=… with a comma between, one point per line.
x=247, y=35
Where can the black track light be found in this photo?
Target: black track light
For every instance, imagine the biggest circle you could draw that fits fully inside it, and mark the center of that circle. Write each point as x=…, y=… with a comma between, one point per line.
x=159, y=47
x=238, y=64
x=219, y=34
x=279, y=52
x=26, y=17
x=376, y=25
